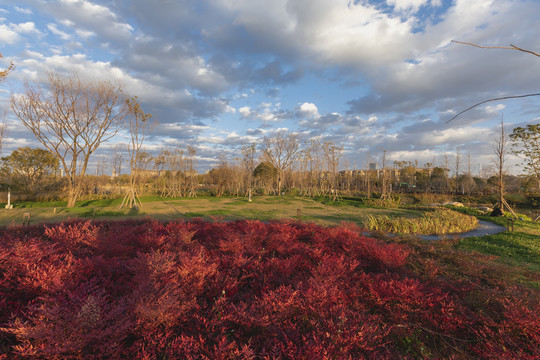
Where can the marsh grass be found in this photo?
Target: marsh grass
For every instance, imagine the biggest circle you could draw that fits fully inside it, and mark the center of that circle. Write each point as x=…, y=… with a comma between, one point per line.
x=436, y=221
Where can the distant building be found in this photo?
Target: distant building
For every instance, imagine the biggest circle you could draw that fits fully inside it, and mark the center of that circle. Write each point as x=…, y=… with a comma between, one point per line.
x=372, y=166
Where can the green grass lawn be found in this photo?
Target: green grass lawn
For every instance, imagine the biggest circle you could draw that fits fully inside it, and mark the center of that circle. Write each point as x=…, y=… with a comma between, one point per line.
x=520, y=247
x=513, y=248
x=264, y=208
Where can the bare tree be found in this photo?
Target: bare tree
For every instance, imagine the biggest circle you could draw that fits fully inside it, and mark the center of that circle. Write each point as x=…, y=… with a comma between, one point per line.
x=500, y=150
x=458, y=161
x=248, y=161
x=332, y=155
x=159, y=167
x=174, y=161
x=313, y=158
x=281, y=151
x=384, y=190
x=117, y=160
x=139, y=123
x=71, y=118
x=222, y=177
x=191, y=152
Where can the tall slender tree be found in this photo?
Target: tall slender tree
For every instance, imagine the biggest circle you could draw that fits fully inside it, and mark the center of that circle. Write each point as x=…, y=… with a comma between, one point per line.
x=501, y=150
x=191, y=152
x=248, y=161
x=138, y=123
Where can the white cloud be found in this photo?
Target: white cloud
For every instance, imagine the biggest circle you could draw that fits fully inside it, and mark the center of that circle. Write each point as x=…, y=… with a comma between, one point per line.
x=62, y=34
x=87, y=68
x=452, y=135
x=245, y=112
x=495, y=109
x=227, y=138
x=25, y=28
x=373, y=119
x=407, y=4
x=308, y=109
x=84, y=33
x=266, y=113
x=7, y=35
x=32, y=54
x=338, y=32
x=23, y=10
x=86, y=18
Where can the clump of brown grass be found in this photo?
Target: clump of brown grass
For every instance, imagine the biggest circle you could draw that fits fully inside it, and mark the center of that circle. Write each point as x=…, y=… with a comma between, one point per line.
x=438, y=221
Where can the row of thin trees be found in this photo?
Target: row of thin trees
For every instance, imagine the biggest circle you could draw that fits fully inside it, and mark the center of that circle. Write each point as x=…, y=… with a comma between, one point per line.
x=284, y=164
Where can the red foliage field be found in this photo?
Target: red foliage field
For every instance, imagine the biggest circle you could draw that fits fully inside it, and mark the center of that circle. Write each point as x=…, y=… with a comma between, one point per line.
x=249, y=290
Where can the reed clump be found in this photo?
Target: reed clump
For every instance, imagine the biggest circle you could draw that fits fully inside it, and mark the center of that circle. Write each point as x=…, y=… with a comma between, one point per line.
x=436, y=221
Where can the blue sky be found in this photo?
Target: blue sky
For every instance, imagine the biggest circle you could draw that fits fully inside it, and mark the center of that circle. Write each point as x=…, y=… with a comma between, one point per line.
x=219, y=74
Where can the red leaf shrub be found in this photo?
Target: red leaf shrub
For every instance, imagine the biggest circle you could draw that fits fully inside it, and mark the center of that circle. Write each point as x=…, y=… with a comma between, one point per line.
x=248, y=290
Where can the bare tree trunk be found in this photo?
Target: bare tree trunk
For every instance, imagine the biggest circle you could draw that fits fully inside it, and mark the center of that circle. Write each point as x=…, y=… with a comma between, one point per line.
x=458, y=159
x=73, y=194
x=500, y=152
x=138, y=126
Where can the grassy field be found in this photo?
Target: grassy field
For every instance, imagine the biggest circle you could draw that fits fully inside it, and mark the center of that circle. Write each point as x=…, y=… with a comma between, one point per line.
x=262, y=208
x=518, y=248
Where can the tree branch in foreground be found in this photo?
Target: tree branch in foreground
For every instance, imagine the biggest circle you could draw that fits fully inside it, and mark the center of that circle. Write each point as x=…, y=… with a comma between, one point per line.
x=511, y=47
x=489, y=100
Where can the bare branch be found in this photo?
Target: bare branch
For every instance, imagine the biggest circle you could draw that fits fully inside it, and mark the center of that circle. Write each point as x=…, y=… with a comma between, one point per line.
x=511, y=47
x=489, y=100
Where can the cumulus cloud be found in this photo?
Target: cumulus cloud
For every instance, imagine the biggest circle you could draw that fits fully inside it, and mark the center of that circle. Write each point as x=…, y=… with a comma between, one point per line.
x=407, y=4
x=308, y=110
x=245, y=112
x=8, y=35
x=25, y=28
x=265, y=112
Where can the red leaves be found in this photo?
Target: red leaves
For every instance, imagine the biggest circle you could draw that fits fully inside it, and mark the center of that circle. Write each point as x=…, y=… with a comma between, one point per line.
x=245, y=290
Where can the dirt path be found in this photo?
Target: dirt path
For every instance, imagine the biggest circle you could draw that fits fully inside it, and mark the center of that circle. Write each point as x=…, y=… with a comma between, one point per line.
x=484, y=228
